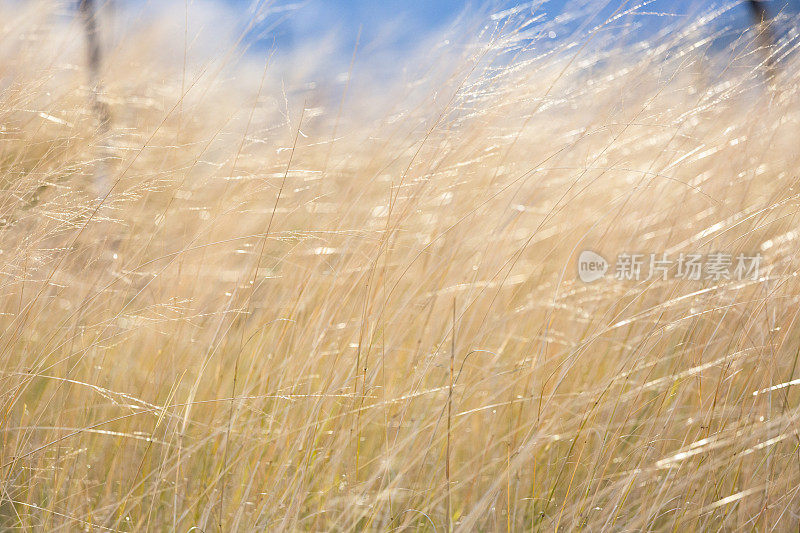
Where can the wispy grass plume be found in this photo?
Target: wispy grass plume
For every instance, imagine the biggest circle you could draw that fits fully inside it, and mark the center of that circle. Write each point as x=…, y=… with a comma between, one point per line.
x=354, y=304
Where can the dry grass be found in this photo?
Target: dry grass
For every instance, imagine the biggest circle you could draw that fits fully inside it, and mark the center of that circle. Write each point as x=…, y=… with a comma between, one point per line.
x=255, y=328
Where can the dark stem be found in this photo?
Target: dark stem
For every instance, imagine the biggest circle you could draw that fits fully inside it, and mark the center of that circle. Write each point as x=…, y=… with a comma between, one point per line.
x=761, y=20
x=88, y=11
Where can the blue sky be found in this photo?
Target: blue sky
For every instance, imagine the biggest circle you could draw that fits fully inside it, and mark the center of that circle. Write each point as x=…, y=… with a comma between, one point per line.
x=320, y=35
x=398, y=24
x=393, y=23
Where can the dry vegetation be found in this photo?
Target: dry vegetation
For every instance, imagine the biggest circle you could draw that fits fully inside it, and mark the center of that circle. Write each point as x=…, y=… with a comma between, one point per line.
x=295, y=314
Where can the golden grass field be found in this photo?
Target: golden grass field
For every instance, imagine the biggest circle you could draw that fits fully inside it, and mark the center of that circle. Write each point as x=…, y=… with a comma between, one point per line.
x=359, y=310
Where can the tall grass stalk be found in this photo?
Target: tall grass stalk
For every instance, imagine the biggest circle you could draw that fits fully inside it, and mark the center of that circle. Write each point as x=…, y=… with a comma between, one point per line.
x=252, y=332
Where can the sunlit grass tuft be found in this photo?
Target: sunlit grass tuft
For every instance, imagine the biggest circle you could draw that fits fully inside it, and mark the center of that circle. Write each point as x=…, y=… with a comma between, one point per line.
x=295, y=312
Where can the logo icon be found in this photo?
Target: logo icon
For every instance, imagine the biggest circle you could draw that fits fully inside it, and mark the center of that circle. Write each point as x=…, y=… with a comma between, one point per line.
x=591, y=266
